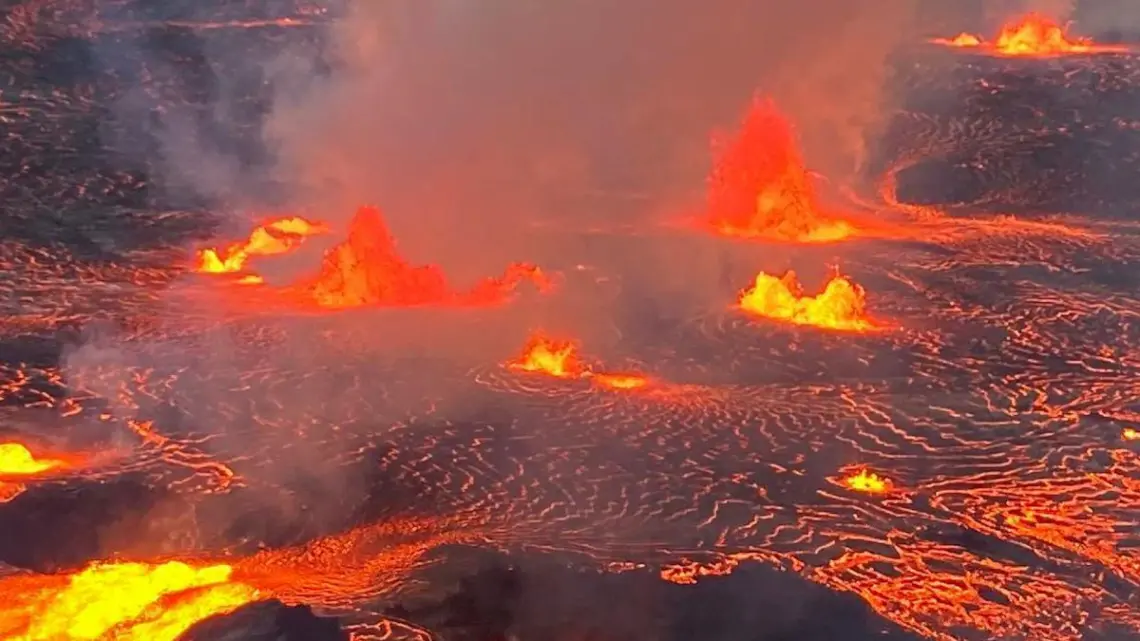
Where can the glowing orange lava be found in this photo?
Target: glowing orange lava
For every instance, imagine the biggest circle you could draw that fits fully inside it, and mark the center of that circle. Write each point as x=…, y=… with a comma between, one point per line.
x=759, y=187
x=122, y=601
x=1131, y=434
x=621, y=381
x=275, y=237
x=553, y=357
x=367, y=270
x=559, y=358
x=841, y=306
x=868, y=482
x=1031, y=35
x=17, y=460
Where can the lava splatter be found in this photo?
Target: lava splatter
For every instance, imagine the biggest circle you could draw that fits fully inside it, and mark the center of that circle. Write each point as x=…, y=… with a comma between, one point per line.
x=1033, y=35
x=367, y=270
x=841, y=306
x=559, y=358
x=274, y=237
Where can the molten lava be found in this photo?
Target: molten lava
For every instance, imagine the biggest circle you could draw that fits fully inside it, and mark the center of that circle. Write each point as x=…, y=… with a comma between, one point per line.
x=759, y=187
x=553, y=357
x=621, y=381
x=17, y=460
x=122, y=601
x=275, y=237
x=868, y=482
x=841, y=306
x=1032, y=35
x=1131, y=434
x=367, y=270
x=559, y=358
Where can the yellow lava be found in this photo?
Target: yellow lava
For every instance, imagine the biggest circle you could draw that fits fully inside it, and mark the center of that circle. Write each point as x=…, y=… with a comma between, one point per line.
x=17, y=460
x=1030, y=36
x=1131, y=434
x=274, y=237
x=869, y=482
x=556, y=358
x=119, y=601
x=841, y=305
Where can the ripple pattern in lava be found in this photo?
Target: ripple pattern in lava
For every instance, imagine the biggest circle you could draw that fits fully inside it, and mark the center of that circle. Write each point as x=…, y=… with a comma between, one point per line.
x=1001, y=405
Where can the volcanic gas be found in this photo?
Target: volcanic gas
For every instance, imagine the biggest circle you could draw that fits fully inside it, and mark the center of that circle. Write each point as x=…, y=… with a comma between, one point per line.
x=1032, y=35
x=760, y=187
x=841, y=305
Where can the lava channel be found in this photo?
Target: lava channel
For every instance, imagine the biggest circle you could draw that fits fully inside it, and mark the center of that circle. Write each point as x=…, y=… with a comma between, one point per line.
x=559, y=358
x=121, y=601
x=841, y=306
x=759, y=187
x=1031, y=36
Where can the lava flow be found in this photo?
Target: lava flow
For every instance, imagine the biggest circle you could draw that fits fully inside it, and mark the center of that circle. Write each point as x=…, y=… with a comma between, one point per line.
x=559, y=358
x=760, y=188
x=841, y=305
x=278, y=236
x=1033, y=35
x=367, y=270
x=123, y=601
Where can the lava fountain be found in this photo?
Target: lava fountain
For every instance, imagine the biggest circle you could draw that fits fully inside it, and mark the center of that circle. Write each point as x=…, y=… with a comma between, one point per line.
x=867, y=482
x=17, y=460
x=1033, y=35
x=364, y=270
x=841, y=306
x=559, y=358
x=760, y=188
x=367, y=270
x=17, y=463
x=274, y=237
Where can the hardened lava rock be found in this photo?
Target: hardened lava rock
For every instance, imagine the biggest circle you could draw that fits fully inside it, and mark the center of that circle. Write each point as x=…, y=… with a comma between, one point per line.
x=267, y=621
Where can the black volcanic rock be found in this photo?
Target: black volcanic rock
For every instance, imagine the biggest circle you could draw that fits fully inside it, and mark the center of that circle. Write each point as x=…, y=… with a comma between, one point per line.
x=267, y=621
x=534, y=598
